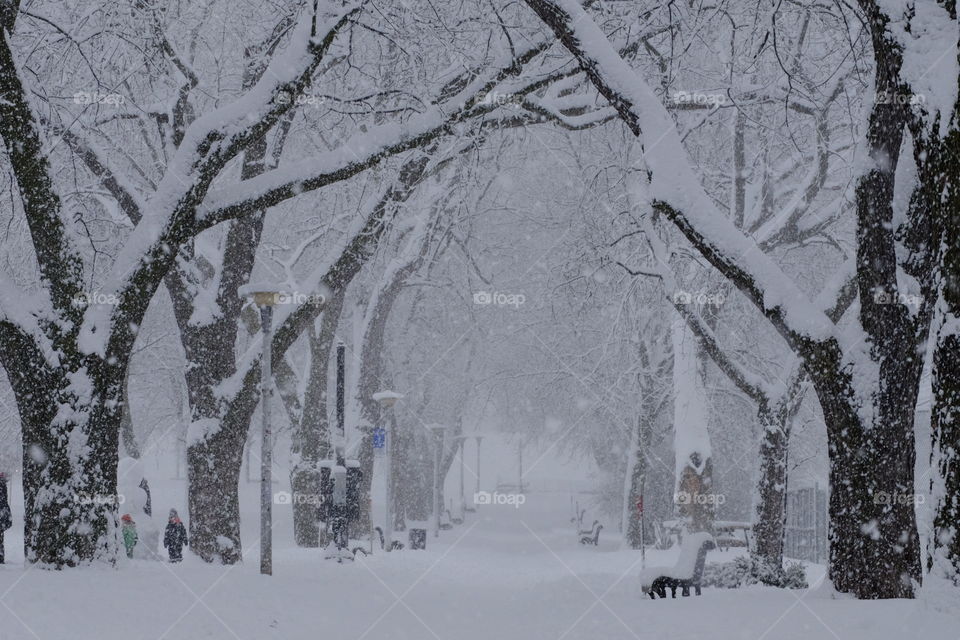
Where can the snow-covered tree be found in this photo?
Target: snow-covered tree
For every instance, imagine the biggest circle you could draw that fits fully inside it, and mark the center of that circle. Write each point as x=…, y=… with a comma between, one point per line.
x=867, y=379
x=78, y=355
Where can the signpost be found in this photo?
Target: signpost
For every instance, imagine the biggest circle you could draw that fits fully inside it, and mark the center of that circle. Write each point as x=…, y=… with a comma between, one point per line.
x=479, y=438
x=643, y=543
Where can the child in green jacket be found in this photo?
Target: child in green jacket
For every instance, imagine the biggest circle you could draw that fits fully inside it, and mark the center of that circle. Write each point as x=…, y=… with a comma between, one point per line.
x=129, y=530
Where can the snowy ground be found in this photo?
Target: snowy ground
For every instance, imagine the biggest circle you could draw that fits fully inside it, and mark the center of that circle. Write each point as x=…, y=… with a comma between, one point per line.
x=507, y=573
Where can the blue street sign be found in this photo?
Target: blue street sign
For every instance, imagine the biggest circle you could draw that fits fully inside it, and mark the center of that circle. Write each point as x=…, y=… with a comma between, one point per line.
x=379, y=437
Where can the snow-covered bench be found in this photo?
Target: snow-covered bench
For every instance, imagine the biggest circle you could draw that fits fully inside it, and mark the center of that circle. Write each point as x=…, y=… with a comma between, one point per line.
x=685, y=574
x=729, y=533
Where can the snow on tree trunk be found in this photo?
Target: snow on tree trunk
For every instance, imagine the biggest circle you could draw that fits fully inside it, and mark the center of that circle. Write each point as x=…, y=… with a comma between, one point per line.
x=694, y=464
x=771, y=489
x=372, y=379
x=127, y=433
x=634, y=480
x=397, y=455
x=372, y=375
x=312, y=439
x=68, y=388
x=943, y=553
x=416, y=487
x=214, y=457
x=944, y=546
x=217, y=433
x=70, y=482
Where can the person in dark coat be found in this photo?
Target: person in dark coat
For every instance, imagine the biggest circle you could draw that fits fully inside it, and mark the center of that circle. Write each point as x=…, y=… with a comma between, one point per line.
x=6, y=521
x=175, y=537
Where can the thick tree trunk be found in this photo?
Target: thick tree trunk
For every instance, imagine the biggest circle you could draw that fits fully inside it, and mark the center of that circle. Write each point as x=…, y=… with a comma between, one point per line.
x=70, y=415
x=635, y=481
x=771, y=490
x=69, y=467
x=127, y=433
x=61, y=488
x=449, y=453
x=415, y=490
x=312, y=438
x=943, y=553
x=874, y=548
x=944, y=548
x=398, y=453
x=219, y=429
x=365, y=456
x=215, y=442
x=694, y=495
x=214, y=464
x=372, y=376
x=209, y=349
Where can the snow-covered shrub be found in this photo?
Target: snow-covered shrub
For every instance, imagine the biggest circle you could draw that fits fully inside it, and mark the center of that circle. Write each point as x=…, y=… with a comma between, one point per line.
x=744, y=571
x=795, y=576
x=726, y=575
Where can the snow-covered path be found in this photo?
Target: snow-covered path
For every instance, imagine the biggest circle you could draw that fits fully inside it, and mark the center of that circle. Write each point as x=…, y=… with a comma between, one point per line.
x=507, y=573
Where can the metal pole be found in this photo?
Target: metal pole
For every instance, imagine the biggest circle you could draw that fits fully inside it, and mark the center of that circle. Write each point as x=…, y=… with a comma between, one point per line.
x=463, y=501
x=437, y=435
x=266, y=447
x=479, y=438
x=520, y=467
x=388, y=469
x=643, y=538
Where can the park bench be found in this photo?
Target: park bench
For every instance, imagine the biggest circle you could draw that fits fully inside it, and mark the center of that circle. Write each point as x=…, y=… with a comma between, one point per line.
x=585, y=536
x=593, y=535
x=729, y=533
x=686, y=573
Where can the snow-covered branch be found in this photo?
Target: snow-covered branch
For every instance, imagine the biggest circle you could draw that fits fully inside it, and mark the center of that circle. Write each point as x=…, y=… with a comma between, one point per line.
x=208, y=144
x=674, y=190
x=60, y=263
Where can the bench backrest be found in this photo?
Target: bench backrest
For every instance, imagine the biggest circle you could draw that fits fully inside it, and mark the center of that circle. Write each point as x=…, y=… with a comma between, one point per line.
x=692, y=555
x=705, y=546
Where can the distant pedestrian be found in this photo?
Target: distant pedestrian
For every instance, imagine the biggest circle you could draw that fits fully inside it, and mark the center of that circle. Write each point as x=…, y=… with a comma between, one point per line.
x=6, y=521
x=175, y=537
x=129, y=530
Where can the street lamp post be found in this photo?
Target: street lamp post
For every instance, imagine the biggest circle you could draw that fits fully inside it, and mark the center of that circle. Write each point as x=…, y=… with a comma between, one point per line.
x=463, y=500
x=520, y=467
x=479, y=438
x=265, y=297
x=387, y=399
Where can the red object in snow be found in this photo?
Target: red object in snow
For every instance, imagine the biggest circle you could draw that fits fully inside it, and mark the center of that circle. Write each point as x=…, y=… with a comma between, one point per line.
x=640, y=504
